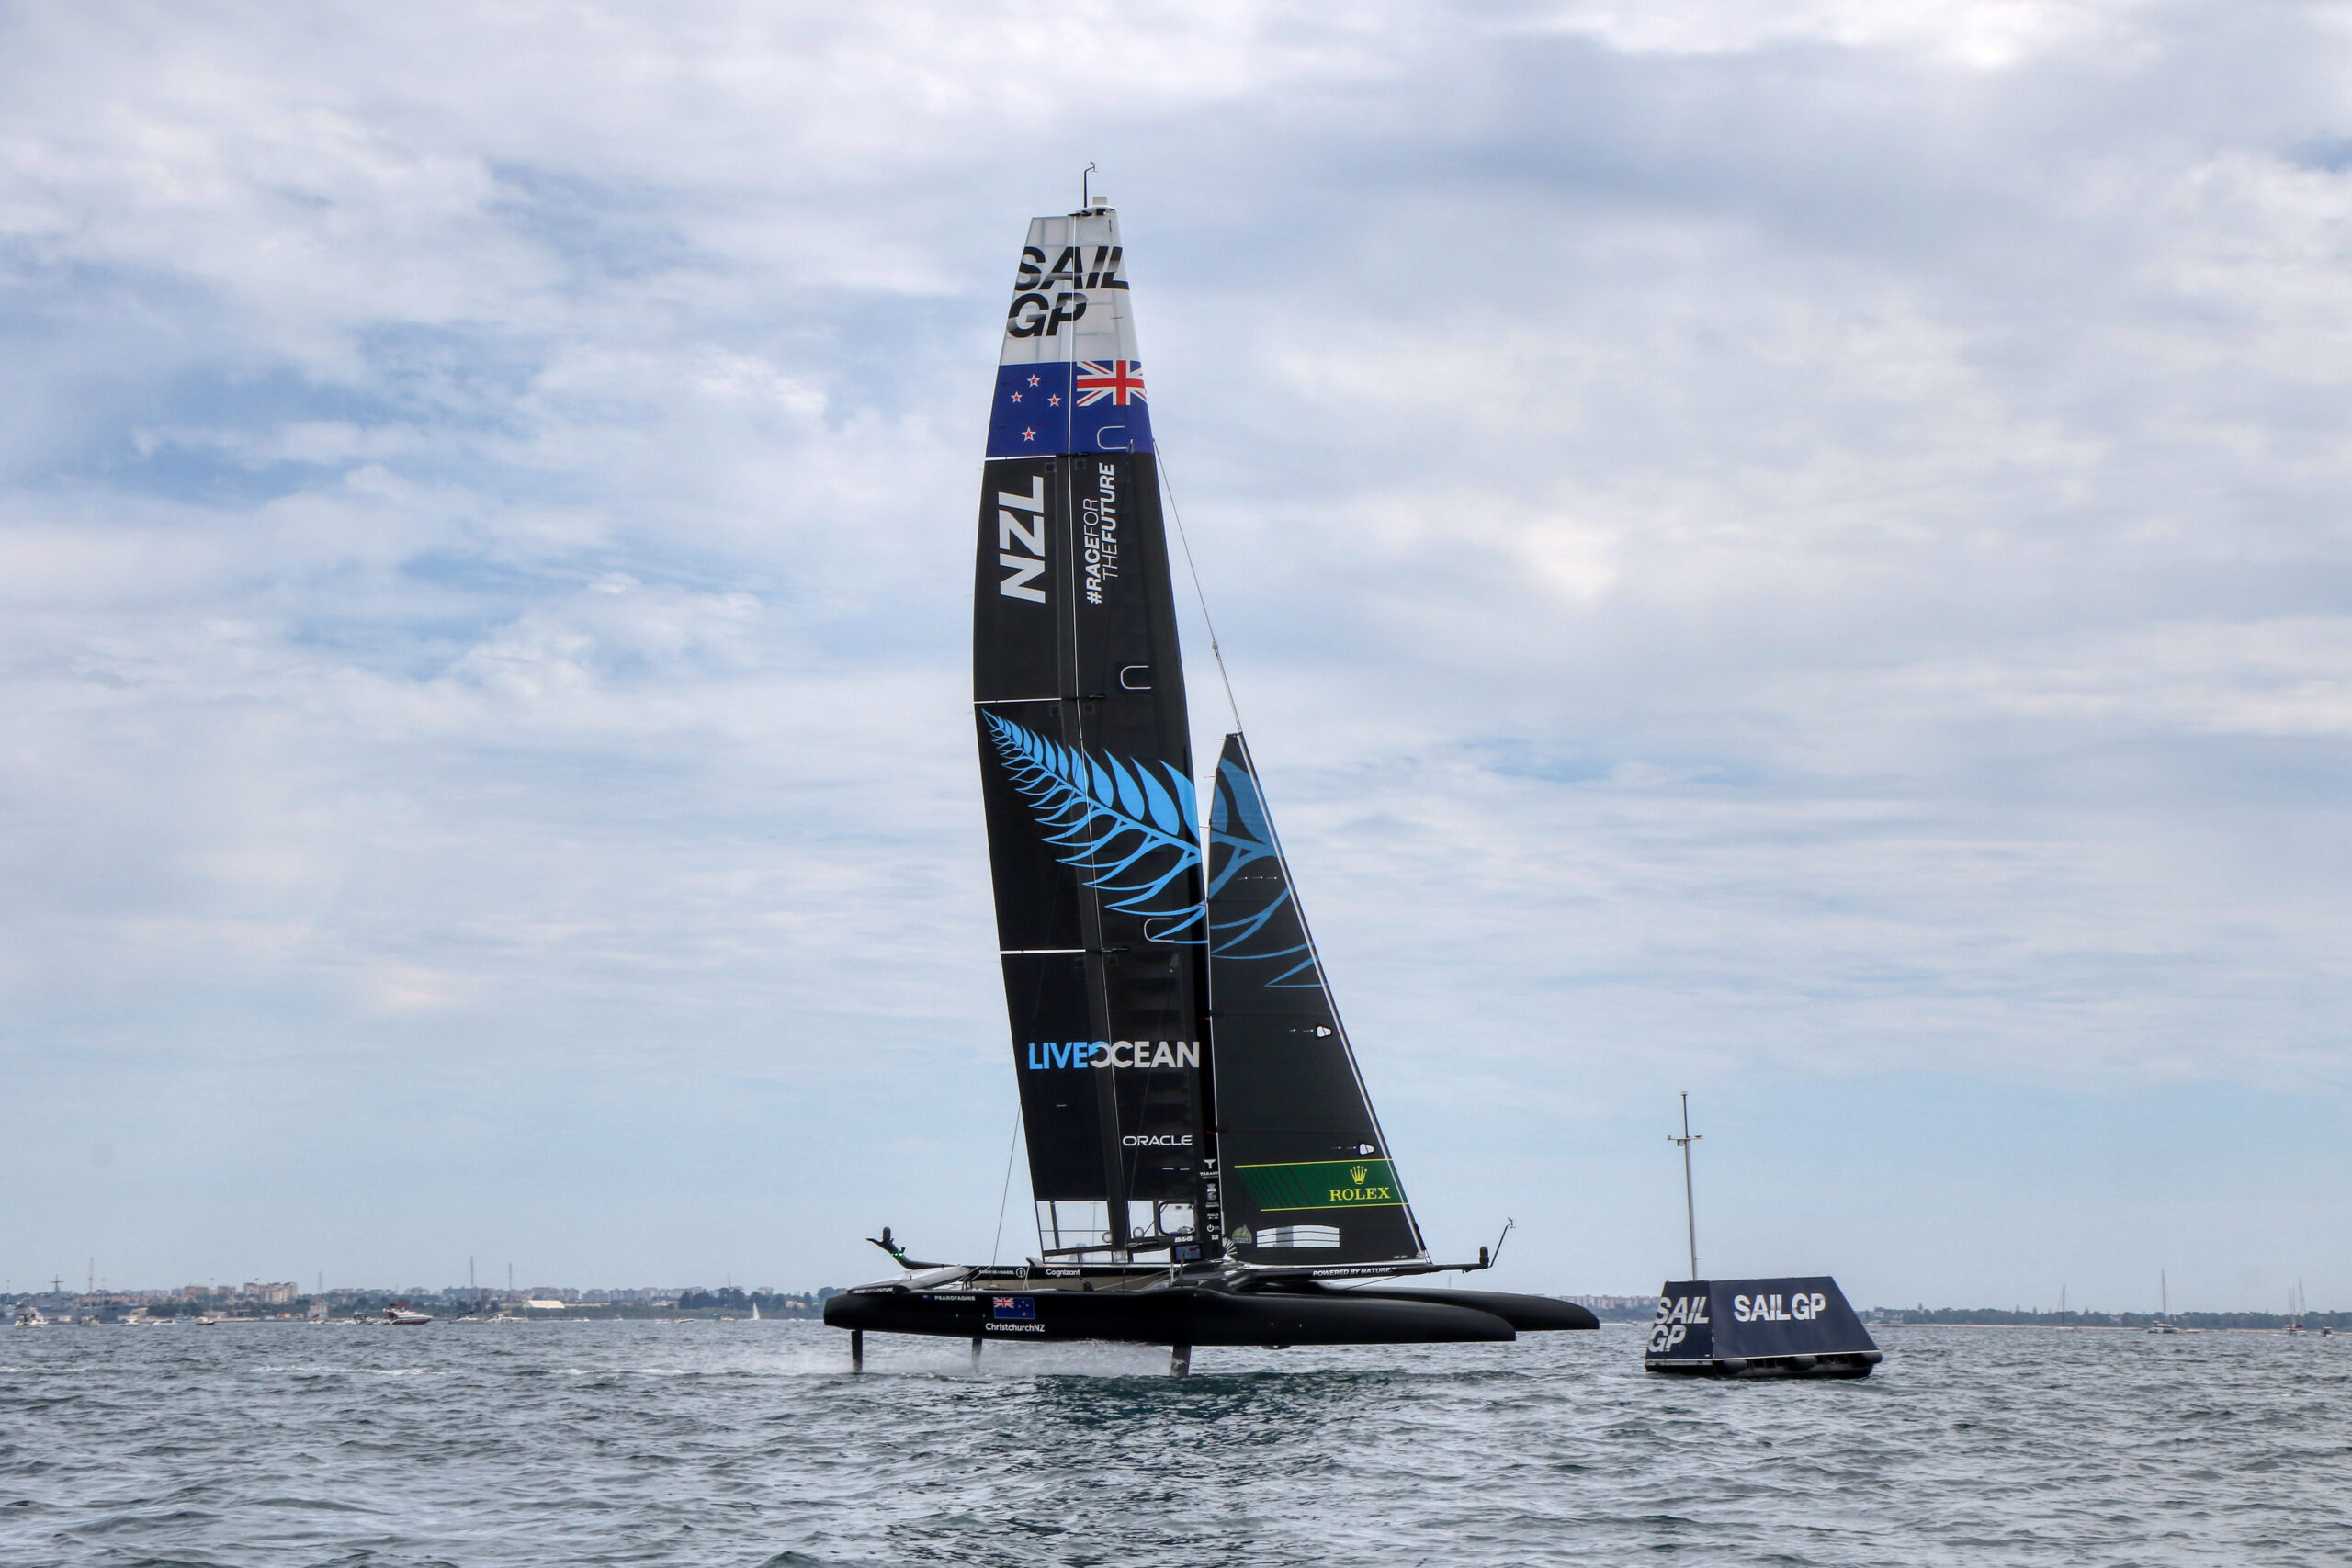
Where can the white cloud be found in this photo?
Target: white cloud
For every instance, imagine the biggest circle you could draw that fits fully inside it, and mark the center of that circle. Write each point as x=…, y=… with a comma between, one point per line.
x=1984, y=34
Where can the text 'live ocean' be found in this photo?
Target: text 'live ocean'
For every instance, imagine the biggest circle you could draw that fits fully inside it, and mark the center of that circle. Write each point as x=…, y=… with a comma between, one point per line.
x=1113, y=1053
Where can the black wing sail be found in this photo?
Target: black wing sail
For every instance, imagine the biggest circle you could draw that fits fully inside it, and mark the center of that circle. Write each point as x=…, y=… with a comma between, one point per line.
x=1309, y=1177
x=1087, y=770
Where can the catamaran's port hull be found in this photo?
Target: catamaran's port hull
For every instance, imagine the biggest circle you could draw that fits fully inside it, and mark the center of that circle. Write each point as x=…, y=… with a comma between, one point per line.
x=1528, y=1315
x=1177, y=1315
x=1854, y=1364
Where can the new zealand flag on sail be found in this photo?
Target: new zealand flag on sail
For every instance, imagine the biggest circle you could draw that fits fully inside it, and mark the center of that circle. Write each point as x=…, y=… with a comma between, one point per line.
x=1051, y=406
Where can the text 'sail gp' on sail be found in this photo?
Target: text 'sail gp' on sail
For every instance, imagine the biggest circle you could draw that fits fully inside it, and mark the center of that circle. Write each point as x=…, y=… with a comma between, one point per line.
x=1086, y=759
x=1310, y=1180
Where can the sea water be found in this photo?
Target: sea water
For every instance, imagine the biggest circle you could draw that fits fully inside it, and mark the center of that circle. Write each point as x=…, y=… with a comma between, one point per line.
x=753, y=1444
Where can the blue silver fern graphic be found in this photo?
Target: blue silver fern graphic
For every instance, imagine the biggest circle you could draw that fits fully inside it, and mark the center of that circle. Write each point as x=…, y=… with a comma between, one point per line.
x=1127, y=823
x=1238, y=825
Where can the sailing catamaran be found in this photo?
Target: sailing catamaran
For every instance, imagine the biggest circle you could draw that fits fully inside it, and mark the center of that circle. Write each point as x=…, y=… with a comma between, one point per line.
x=1205, y=1165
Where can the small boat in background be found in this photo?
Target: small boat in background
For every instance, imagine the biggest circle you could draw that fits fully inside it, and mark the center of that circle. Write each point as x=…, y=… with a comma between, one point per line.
x=2162, y=1322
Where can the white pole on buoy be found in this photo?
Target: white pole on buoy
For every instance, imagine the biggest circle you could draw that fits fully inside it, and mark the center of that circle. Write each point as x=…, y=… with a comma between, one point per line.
x=1690, y=1204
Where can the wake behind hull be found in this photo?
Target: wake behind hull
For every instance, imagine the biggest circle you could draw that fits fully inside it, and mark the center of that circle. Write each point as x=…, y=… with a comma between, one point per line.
x=1167, y=1315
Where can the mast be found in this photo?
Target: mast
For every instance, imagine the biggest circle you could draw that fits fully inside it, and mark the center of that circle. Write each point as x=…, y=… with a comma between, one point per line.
x=1086, y=768
x=1689, y=1204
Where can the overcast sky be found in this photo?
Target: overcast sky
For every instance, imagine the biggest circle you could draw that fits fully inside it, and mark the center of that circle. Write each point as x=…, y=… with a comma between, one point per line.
x=1799, y=550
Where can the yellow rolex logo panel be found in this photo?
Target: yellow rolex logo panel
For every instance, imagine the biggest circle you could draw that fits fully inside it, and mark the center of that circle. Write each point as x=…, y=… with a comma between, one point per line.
x=1322, y=1184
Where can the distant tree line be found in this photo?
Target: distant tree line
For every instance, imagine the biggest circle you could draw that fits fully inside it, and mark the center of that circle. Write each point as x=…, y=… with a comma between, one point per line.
x=2017, y=1318
x=735, y=1299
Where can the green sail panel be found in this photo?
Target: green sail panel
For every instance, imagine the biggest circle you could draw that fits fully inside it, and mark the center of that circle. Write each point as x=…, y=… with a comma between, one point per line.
x=1322, y=1184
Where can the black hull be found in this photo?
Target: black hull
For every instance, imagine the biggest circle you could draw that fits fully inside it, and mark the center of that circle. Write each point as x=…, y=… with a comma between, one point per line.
x=1528, y=1315
x=1167, y=1315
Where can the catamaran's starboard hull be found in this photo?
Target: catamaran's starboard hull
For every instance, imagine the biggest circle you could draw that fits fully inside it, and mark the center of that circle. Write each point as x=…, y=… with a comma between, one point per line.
x=1173, y=1316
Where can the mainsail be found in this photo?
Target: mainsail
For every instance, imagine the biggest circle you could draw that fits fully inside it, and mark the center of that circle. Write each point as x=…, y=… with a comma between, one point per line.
x=1087, y=770
x=1310, y=1180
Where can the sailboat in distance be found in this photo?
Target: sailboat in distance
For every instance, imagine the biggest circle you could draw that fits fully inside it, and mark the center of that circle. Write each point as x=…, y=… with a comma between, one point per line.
x=2162, y=1322
x=1205, y=1165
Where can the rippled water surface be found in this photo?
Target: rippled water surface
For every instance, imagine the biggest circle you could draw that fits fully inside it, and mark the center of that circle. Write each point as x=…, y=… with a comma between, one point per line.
x=743, y=1443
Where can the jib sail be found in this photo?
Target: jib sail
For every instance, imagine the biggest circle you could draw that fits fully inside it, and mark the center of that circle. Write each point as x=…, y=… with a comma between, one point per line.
x=1308, y=1177
x=1086, y=766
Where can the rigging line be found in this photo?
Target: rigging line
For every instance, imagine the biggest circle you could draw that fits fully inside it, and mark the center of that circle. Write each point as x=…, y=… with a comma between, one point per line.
x=1006, y=1196
x=1175, y=511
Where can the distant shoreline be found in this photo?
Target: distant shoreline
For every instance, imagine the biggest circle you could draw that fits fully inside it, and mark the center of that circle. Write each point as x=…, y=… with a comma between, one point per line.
x=2101, y=1327
x=1620, y=1309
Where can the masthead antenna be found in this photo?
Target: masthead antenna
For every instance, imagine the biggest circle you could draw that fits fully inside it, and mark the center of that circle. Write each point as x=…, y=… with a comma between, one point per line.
x=1086, y=189
x=1690, y=1205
